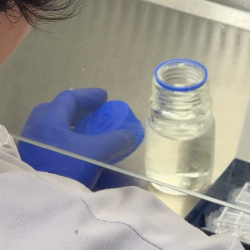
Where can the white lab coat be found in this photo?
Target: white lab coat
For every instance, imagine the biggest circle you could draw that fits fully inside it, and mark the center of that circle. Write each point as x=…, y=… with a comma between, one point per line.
x=42, y=211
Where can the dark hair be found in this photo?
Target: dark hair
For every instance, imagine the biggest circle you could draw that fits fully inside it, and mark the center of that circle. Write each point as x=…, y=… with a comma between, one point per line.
x=40, y=10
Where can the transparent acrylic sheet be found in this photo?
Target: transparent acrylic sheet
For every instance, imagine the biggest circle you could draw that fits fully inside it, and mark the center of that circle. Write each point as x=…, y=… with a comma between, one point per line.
x=116, y=45
x=129, y=178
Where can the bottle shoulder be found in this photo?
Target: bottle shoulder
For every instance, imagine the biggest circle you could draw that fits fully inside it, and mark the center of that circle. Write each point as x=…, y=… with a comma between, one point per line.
x=182, y=129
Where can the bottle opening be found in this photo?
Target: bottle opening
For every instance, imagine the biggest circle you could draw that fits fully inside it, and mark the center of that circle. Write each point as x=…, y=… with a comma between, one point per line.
x=181, y=75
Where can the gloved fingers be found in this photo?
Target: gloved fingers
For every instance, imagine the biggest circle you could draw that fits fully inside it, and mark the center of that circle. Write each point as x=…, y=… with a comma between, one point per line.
x=79, y=115
x=37, y=112
x=63, y=108
x=110, y=146
x=40, y=107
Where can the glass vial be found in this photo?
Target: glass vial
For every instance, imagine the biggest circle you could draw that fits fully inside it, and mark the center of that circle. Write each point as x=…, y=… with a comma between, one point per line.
x=180, y=128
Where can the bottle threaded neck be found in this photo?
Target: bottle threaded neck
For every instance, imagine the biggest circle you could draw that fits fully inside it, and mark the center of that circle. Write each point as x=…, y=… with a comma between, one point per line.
x=181, y=89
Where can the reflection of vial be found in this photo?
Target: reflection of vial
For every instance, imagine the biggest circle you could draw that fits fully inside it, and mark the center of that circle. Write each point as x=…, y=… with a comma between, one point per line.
x=180, y=129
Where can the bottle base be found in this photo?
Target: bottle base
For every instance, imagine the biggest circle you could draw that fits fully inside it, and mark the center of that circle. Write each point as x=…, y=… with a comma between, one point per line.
x=177, y=193
x=167, y=190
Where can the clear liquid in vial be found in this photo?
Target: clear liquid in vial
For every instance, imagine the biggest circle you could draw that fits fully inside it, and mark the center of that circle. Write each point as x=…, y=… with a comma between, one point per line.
x=187, y=164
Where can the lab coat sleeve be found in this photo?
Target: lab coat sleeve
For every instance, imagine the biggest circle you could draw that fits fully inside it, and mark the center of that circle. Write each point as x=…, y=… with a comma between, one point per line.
x=43, y=211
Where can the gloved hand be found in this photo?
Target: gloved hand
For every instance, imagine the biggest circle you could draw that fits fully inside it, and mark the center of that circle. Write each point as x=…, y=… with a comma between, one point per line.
x=50, y=124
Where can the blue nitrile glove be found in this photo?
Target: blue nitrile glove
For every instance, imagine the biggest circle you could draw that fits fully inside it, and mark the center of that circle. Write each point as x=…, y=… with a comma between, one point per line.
x=111, y=179
x=50, y=124
x=110, y=116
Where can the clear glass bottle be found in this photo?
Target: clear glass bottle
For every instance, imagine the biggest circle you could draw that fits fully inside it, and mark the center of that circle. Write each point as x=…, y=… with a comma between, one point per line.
x=180, y=129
